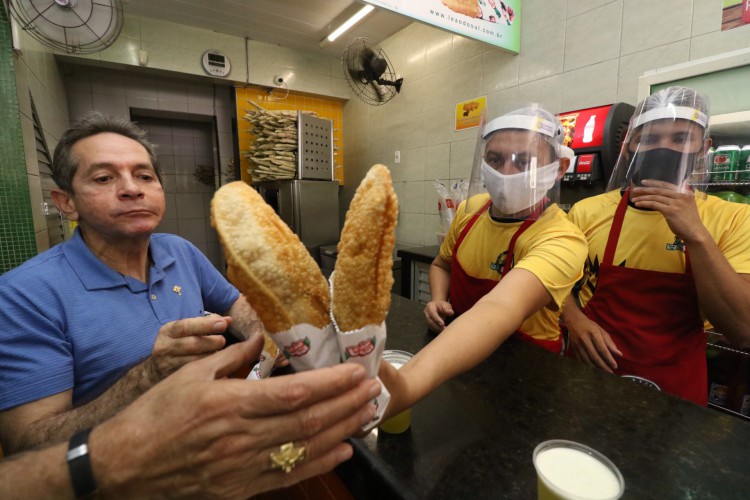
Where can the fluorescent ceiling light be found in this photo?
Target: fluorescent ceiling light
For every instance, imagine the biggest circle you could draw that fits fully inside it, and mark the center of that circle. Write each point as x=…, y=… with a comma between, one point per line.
x=349, y=23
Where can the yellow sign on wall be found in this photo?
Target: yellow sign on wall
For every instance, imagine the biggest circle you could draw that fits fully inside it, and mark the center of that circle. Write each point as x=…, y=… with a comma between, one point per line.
x=468, y=113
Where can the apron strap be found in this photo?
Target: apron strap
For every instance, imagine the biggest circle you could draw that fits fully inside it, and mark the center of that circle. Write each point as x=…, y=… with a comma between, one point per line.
x=614, y=232
x=512, y=246
x=466, y=228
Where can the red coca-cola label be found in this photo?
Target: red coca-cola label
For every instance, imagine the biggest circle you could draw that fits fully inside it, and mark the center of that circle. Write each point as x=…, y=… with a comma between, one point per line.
x=297, y=348
x=362, y=349
x=449, y=203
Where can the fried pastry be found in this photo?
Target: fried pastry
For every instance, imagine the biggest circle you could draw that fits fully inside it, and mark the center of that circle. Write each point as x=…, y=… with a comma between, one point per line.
x=267, y=262
x=363, y=277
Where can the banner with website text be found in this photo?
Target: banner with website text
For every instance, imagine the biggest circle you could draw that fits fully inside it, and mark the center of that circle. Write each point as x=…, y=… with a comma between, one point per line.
x=496, y=22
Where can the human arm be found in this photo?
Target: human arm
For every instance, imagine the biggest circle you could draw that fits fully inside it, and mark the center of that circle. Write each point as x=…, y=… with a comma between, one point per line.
x=215, y=437
x=53, y=418
x=245, y=321
x=468, y=340
x=438, y=308
x=587, y=340
x=724, y=294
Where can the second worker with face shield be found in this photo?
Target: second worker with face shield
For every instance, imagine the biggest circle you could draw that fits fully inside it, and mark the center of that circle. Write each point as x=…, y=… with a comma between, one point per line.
x=511, y=222
x=662, y=255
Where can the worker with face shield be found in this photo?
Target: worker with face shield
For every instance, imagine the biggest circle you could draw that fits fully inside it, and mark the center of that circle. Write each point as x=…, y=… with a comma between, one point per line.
x=508, y=262
x=662, y=255
x=510, y=221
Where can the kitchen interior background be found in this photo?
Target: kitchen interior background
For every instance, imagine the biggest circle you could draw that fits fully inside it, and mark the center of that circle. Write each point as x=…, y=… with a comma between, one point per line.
x=574, y=54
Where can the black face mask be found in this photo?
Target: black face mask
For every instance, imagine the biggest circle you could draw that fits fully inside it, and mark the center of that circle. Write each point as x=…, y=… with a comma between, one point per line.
x=662, y=164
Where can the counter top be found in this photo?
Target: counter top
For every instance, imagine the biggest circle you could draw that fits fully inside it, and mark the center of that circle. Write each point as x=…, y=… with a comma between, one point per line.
x=474, y=436
x=423, y=254
x=416, y=254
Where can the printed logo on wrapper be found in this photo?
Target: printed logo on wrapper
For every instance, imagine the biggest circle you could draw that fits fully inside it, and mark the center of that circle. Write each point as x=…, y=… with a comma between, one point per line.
x=362, y=349
x=297, y=349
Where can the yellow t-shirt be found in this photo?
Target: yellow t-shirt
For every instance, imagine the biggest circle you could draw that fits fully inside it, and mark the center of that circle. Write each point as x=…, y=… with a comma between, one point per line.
x=646, y=242
x=551, y=248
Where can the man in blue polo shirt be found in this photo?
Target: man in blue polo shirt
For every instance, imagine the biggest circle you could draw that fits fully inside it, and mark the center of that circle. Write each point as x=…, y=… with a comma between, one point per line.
x=86, y=327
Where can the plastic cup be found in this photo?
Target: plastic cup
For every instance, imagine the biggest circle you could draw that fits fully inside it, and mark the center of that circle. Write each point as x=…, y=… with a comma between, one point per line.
x=572, y=471
x=398, y=423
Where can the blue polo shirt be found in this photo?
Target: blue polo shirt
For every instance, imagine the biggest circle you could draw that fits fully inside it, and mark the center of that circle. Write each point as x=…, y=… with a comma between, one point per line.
x=67, y=320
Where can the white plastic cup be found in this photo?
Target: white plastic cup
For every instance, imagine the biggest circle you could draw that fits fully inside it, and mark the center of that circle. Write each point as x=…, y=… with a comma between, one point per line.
x=567, y=470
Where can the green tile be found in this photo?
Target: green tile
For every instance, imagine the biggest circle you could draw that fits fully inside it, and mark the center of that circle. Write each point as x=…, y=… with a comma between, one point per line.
x=17, y=240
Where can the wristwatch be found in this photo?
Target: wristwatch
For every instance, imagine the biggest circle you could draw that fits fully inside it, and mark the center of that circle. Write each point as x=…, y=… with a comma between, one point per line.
x=79, y=465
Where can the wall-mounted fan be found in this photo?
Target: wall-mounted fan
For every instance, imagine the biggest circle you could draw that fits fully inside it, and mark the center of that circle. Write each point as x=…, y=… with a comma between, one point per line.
x=72, y=26
x=369, y=72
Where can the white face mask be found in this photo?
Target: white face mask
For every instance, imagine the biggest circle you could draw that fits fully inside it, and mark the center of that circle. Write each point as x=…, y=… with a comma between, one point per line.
x=516, y=192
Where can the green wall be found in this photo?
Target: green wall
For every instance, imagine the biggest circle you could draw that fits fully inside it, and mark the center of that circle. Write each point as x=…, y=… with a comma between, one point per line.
x=17, y=241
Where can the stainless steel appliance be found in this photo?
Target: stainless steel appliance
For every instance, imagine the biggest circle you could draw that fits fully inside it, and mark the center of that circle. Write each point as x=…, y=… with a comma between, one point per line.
x=310, y=209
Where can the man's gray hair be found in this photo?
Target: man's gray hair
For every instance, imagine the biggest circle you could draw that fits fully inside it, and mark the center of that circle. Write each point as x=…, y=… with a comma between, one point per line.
x=64, y=165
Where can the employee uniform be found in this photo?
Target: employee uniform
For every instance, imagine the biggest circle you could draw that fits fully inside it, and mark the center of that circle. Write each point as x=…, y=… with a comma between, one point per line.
x=71, y=322
x=482, y=249
x=638, y=286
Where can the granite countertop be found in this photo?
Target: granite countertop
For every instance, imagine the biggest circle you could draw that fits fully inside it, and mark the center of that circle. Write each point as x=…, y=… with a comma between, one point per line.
x=474, y=436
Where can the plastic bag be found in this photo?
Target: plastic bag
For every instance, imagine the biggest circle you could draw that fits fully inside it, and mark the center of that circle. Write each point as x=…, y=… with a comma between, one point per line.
x=459, y=191
x=446, y=207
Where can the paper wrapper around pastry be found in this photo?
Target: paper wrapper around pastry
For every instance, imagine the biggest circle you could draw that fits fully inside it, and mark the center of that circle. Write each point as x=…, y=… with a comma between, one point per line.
x=364, y=346
x=267, y=360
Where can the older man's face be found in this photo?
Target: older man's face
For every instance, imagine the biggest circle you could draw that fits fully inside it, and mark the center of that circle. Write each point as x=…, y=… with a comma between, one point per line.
x=117, y=195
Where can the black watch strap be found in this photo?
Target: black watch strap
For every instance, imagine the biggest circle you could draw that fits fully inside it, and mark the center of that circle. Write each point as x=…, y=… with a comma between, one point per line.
x=79, y=465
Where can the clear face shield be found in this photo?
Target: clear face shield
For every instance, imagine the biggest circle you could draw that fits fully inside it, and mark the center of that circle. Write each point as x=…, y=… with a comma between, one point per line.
x=517, y=163
x=667, y=144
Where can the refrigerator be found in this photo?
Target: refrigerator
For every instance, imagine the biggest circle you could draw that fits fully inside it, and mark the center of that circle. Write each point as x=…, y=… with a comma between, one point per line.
x=309, y=207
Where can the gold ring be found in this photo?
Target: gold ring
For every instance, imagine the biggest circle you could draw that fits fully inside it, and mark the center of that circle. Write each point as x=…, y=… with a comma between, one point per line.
x=287, y=457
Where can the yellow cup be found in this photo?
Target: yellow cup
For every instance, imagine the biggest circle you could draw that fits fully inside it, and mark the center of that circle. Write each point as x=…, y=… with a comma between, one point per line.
x=567, y=470
x=401, y=422
x=397, y=423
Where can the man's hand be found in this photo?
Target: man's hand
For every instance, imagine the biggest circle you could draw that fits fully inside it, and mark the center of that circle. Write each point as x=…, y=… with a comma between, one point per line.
x=180, y=342
x=199, y=434
x=679, y=209
x=435, y=313
x=592, y=344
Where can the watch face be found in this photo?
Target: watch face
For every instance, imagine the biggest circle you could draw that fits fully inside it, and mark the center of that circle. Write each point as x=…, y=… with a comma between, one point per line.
x=642, y=381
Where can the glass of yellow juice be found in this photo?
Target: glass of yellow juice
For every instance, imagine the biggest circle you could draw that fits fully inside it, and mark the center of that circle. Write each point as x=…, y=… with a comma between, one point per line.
x=398, y=423
x=567, y=470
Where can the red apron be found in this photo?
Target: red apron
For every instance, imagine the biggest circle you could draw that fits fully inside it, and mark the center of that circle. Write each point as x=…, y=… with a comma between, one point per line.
x=465, y=290
x=653, y=318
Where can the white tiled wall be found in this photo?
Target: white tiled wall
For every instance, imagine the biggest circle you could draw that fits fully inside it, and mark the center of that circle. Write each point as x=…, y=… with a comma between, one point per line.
x=574, y=54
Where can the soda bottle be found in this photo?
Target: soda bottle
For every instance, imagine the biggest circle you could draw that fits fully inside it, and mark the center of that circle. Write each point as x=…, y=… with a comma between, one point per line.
x=744, y=173
x=726, y=161
x=722, y=367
